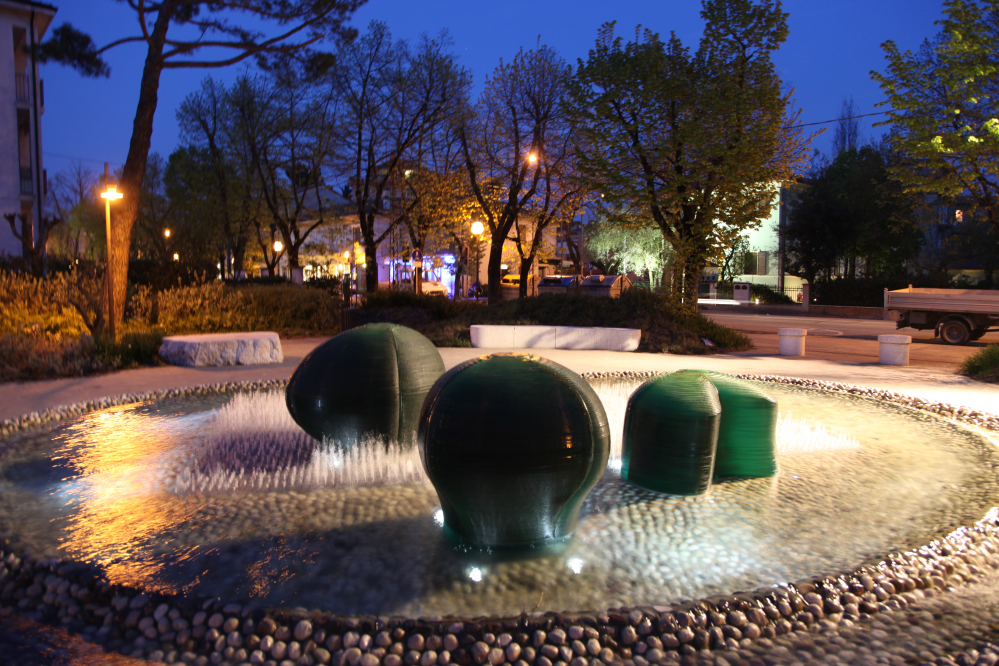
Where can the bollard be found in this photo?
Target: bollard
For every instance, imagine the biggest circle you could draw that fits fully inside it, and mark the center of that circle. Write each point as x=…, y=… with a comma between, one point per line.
x=893, y=349
x=792, y=341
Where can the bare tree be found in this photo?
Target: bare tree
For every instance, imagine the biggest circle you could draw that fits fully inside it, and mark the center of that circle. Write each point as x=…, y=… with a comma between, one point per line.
x=847, y=134
x=207, y=121
x=515, y=145
x=287, y=124
x=394, y=96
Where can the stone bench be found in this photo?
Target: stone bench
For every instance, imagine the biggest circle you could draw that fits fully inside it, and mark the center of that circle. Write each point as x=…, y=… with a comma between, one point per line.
x=555, y=337
x=222, y=349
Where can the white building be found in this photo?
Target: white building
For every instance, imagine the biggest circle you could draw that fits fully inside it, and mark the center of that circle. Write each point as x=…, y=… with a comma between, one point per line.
x=22, y=102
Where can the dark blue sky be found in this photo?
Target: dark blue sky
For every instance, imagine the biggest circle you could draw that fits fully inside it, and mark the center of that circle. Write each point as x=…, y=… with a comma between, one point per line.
x=832, y=47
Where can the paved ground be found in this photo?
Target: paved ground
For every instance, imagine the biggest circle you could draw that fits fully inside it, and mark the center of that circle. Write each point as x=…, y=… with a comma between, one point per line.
x=839, y=358
x=837, y=350
x=849, y=340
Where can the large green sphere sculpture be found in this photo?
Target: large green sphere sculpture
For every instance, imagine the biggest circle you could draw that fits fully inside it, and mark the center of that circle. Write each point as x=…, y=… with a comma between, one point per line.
x=670, y=434
x=512, y=443
x=747, y=436
x=366, y=381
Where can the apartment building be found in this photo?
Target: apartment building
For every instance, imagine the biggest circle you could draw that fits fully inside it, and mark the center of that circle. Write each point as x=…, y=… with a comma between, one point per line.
x=22, y=103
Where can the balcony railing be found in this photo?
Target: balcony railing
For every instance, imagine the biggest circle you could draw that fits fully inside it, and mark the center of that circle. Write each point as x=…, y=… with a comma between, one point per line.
x=21, y=88
x=26, y=187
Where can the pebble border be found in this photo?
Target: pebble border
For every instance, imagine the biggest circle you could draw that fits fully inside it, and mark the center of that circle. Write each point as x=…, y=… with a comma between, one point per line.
x=173, y=628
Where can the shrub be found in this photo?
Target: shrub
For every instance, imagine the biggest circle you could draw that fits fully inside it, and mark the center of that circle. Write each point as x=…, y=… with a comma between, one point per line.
x=983, y=365
x=665, y=326
x=437, y=307
x=130, y=350
x=769, y=296
x=36, y=306
x=215, y=307
x=26, y=357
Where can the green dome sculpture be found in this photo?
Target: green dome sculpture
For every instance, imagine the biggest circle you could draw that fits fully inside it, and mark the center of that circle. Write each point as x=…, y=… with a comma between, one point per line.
x=513, y=443
x=671, y=433
x=747, y=436
x=366, y=381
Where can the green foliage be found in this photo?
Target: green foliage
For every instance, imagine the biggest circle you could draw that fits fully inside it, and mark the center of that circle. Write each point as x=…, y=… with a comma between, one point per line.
x=132, y=349
x=691, y=141
x=217, y=308
x=69, y=46
x=436, y=307
x=665, y=327
x=630, y=249
x=769, y=296
x=983, y=365
x=30, y=305
x=945, y=107
x=853, y=210
x=28, y=357
x=43, y=335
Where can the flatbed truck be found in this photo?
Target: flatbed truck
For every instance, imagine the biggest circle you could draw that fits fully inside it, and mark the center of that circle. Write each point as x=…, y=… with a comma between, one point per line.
x=957, y=316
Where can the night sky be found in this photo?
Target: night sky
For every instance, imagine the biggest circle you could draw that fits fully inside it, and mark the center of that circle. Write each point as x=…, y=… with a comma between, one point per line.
x=832, y=47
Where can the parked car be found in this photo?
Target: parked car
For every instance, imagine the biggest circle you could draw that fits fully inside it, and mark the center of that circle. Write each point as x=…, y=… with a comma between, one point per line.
x=510, y=286
x=434, y=288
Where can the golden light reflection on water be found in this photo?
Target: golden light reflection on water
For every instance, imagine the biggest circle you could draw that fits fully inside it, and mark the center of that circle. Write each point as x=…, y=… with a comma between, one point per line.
x=121, y=514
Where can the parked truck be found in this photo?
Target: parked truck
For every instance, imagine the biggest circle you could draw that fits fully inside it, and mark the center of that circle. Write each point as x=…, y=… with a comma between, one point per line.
x=956, y=315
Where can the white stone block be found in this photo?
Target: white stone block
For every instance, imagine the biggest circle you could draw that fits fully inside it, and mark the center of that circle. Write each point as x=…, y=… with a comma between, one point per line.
x=894, y=349
x=492, y=336
x=213, y=349
x=534, y=337
x=791, y=341
x=584, y=337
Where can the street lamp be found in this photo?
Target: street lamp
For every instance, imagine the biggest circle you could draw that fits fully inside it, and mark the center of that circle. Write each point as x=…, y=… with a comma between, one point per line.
x=176, y=257
x=278, y=246
x=532, y=157
x=166, y=233
x=477, y=231
x=110, y=195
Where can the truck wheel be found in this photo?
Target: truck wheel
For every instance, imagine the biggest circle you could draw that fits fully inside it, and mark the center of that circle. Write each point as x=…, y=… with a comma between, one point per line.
x=955, y=332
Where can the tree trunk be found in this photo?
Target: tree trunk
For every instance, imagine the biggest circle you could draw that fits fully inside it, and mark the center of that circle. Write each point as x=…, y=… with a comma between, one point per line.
x=493, y=269
x=525, y=272
x=135, y=164
x=691, y=275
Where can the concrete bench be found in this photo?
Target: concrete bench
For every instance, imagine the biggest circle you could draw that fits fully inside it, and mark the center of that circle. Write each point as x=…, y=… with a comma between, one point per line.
x=555, y=337
x=222, y=349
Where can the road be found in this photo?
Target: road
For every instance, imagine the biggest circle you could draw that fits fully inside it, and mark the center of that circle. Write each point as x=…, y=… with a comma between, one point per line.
x=848, y=340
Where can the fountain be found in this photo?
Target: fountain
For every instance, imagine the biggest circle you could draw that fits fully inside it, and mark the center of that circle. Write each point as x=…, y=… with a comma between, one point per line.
x=202, y=525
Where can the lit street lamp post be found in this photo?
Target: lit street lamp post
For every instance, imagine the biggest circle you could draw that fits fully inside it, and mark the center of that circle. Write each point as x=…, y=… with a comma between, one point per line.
x=477, y=231
x=112, y=193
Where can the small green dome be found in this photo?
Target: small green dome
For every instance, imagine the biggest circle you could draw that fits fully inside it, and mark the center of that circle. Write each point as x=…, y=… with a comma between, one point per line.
x=366, y=381
x=747, y=435
x=671, y=433
x=513, y=443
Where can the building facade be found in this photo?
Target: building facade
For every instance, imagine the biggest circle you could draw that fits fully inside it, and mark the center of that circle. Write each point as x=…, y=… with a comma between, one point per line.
x=22, y=103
